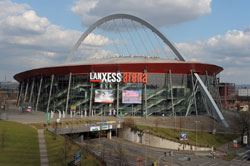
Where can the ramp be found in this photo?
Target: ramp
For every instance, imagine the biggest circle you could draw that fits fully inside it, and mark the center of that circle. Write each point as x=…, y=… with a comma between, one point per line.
x=211, y=101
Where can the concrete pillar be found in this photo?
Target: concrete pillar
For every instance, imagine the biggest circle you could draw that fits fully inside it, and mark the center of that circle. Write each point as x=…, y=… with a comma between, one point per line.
x=26, y=91
x=31, y=93
x=109, y=134
x=52, y=115
x=50, y=92
x=117, y=98
x=194, y=92
x=172, y=97
x=67, y=99
x=85, y=105
x=81, y=138
x=60, y=115
x=39, y=92
x=20, y=94
x=145, y=98
x=63, y=114
x=81, y=113
x=90, y=99
x=85, y=113
x=171, y=88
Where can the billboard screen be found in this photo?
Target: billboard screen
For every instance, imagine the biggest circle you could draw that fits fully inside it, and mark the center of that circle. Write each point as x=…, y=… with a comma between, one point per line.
x=131, y=96
x=104, y=96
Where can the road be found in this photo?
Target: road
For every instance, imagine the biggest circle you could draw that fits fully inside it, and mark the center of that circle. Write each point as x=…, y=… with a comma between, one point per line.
x=121, y=152
x=39, y=117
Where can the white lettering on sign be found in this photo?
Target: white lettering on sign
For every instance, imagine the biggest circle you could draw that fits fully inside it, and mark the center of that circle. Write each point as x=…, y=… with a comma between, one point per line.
x=105, y=77
x=126, y=77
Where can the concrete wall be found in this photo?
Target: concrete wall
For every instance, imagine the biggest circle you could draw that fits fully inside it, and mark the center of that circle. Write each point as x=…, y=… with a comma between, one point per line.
x=158, y=142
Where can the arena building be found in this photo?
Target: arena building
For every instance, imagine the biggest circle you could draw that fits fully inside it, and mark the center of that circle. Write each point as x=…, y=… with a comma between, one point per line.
x=124, y=85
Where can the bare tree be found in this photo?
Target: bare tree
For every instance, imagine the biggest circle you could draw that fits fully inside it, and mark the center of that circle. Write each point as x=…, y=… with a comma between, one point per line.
x=242, y=121
x=129, y=122
x=156, y=122
x=120, y=154
x=55, y=126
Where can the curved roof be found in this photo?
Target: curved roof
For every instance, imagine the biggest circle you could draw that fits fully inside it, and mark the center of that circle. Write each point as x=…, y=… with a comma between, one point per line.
x=135, y=64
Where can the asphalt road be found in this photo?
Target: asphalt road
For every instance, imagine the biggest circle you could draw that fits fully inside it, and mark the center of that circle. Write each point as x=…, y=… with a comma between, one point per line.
x=119, y=152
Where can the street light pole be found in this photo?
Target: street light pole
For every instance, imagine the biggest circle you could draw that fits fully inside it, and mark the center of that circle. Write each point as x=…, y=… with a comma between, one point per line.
x=196, y=134
x=145, y=142
x=160, y=157
x=146, y=155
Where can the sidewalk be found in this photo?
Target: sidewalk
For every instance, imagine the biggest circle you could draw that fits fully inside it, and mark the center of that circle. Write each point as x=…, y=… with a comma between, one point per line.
x=43, y=150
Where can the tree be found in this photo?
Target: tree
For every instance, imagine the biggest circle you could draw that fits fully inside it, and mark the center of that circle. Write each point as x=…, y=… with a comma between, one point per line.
x=120, y=154
x=129, y=122
x=243, y=123
x=156, y=122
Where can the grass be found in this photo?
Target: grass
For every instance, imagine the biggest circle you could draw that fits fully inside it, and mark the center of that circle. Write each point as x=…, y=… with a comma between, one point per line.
x=66, y=123
x=203, y=138
x=18, y=144
x=56, y=151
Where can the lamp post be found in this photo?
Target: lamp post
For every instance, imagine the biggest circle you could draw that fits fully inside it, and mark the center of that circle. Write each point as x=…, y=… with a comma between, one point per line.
x=146, y=152
x=196, y=134
x=160, y=157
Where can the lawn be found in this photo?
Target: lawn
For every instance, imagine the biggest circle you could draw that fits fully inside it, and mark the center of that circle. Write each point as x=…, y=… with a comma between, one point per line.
x=203, y=138
x=65, y=123
x=18, y=144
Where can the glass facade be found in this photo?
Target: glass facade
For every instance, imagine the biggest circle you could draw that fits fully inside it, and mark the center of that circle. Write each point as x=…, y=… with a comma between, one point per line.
x=164, y=94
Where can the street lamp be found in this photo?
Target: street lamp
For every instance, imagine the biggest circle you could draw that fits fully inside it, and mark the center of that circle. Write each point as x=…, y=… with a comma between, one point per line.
x=196, y=134
x=160, y=157
x=146, y=154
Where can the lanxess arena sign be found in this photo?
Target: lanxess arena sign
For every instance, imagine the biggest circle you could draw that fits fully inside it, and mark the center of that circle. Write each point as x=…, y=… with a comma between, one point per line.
x=125, y=77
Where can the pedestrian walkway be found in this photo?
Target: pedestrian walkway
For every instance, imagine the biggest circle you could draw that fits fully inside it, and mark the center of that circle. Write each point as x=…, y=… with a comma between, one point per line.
x=43, y=150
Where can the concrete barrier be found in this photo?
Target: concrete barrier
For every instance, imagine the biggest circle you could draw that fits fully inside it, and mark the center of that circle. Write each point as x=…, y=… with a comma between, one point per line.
x=154, y=141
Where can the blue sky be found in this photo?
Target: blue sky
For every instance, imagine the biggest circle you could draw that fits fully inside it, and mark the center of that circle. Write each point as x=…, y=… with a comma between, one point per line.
x=225, y=15
x=57, y=11
x=210, y=31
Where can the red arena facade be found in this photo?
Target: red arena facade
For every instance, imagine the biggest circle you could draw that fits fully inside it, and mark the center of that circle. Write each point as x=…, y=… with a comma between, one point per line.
x=124, y=86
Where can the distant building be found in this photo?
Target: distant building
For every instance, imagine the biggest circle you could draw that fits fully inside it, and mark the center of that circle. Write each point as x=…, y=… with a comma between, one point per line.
x=9, y=85
x=228, y=95
x=243, y=94
x=8, y=90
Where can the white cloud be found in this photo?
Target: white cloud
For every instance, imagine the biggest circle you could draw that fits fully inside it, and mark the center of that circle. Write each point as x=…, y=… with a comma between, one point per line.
x=231, y=51
x=29, y=41
x=158, y=12
x=9, y=8
x=28, y=21
x=97, y=40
